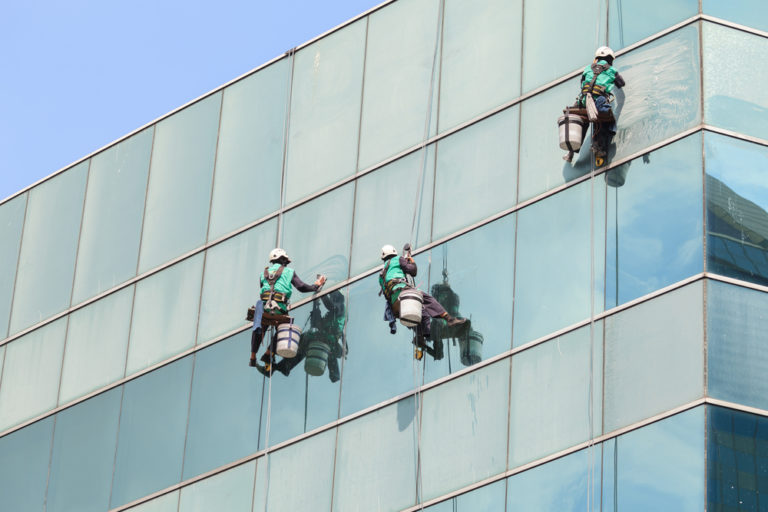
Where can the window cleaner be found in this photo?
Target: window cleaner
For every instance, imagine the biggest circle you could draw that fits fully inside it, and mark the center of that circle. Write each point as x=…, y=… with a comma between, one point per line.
x=593, y=105
x=469, y=340
x=277, y=282
x=412, y=306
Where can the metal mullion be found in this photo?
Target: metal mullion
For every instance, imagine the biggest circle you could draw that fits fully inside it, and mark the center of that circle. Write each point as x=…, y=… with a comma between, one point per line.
x=18, y=263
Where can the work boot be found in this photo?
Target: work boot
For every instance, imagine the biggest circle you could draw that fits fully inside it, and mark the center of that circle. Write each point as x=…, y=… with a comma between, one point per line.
x=250, y=314
x=452, y=320
x=265, y=370
x=252, y=362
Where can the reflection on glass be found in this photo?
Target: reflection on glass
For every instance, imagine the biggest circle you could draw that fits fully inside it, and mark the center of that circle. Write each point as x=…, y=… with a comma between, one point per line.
x=30, y=383
x=249, y=158
x=464, y=422
x=752, y=13
x=727, y=103
x=114, y=207
x=231, y=490
x=165, y=503
x=24, y=470
x=654, y=222
x=150, y=446
x=179, y=194
x=654, y=357
x=325, y=111
x=478, y=162
x=83, y=455
x=11, y=224
x=489, y=498
x=630, y=22
x=481, y=58
x=737, y=200
x=737, y=461
x=383, y=439
x=737, y=362
x=51, y=226
x=398, y=75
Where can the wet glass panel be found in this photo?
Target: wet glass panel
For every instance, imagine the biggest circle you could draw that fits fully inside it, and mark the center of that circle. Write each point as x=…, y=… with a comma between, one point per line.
x=737, y=319
x=300, y=476
x=231, y=282
x=31, y=374
x=11, y=225
x=225, y=407
x=654, y=357
x=660, y=463
x=751, y=13
x=84, y=454
x=737, y=469
x=114, y=207
x=165, y=503
x=392, y=203
x=489, y=498
x=398, y=75
x=552, y=285
x=51, y=226
x=383, y=439
x=24, y=470
x=165, y=314
x=552, y=46
x=97, y=341
x=734, y=99
x=551, y=406
x=654, y=221
x=231, y=491
x=464, y=423
x=476, y=288
x=481, y=58
x=325, y=111
x=249, y=159
x=150, y=446
x=478, y=162
x=630, y=22
x=737, y=200
x=316, y=236
x=260, y=486
x=179, y=194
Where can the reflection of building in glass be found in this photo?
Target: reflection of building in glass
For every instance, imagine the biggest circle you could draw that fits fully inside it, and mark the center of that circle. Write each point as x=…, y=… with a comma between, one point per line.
x=616, y=356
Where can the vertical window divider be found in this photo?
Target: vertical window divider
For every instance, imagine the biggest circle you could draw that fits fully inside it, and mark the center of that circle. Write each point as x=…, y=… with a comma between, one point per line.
x=18, y=262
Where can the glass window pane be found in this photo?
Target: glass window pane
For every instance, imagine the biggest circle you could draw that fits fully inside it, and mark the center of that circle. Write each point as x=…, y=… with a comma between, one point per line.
x=151, y=441
x=11, y=224
x=725, y=103
x=383, y=216
x=300, y=476
x=630, y=22
x=225, y=407
x=654, y=357
x=464, y=424
x=478, y=162
x=325, y=111
x=481, y=58
x=557, y=273
x=52, y=224
x=97, y=340
x=31, y=374
x=231, y=280
x=83, y=455
x=654, y=221
x=460, y=281
x=752, y=13
x=316, y=236
x=737, y=362
x=249, y=159
x=551, y=408
x=398, y=72
x=737, y=199
x=231, y=491
x=165, y=503
x=24, y=471
x=174, y=294
x=489, y=498
x=114, y=207
x=383, y=439
x=550, y=48
x=179, y=194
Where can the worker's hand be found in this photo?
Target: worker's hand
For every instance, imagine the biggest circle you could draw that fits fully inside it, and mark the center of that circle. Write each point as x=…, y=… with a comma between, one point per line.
x=410, y=259
x=320, y=281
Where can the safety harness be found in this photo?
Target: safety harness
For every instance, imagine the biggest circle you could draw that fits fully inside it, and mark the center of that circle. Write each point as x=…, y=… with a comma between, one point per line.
x=389, y=285
x=591, y=88
x=273, y=299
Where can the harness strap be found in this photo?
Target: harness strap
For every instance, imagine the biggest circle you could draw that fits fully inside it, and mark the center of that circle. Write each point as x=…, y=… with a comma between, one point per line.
x=272, y=295
x=597, y=70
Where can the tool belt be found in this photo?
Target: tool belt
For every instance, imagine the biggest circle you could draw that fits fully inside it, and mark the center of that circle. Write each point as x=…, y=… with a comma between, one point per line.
x=390, y=285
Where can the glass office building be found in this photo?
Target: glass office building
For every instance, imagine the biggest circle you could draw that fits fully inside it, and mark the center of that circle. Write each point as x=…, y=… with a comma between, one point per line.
x=616, y=358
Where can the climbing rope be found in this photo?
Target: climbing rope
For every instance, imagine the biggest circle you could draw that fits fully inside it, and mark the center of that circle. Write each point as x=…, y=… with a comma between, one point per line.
x=269, y=423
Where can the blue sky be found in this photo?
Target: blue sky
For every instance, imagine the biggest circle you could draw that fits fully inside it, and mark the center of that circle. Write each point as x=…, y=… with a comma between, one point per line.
x=77, y=75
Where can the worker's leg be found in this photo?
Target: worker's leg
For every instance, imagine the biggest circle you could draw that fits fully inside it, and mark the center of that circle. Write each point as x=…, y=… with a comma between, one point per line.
x=256, y=337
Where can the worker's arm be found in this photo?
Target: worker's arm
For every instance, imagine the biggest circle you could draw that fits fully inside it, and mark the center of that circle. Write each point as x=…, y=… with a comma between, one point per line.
x=408, y=266
x=304, y=287
x=619, y=81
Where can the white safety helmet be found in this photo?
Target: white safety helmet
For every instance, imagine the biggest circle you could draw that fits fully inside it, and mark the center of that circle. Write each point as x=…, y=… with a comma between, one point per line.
x=387, y=251
x=277, y=253
x=603, y=52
